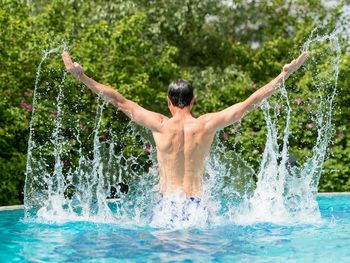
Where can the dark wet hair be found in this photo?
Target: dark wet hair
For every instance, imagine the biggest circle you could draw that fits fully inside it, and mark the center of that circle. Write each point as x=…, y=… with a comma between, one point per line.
x=180, y=93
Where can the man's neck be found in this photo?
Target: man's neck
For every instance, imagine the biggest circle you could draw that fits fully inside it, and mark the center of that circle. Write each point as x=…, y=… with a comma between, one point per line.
x=181, y=113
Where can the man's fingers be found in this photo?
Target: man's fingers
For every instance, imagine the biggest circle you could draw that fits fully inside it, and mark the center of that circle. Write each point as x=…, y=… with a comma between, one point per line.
x=304, y=54
x=296, y=63
x=302, y=57
x=67, y=60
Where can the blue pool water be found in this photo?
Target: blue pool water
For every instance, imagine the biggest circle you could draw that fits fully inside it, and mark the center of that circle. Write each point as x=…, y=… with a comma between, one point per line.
x=263, y=242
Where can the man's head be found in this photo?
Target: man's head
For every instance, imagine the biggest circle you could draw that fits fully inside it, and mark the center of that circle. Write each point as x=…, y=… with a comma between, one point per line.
x=180, y=93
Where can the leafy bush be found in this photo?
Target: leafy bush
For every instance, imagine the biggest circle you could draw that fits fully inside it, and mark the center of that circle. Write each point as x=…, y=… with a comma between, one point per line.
x=139, y=47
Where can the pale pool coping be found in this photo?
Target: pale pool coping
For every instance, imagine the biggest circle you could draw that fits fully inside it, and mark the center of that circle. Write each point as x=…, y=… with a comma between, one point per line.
x=16, y=207
x=11, y=207
x=334, y=193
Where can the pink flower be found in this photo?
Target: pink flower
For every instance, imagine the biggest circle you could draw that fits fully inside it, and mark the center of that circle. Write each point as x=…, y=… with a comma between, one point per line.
x=339, y=134
x=104, y=136
x=82, y=127
x=225, y=135
x=309, y=125
x=23, y=103
x=29, y=107
x=65, y=162
x=254, y=85
x=253, y=133
x=148, y=148
x=235, y=129
x=298, y=101
x=28, y=93
x=53, y=114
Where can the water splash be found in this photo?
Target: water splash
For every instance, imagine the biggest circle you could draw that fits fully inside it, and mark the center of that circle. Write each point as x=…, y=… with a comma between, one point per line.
x=30, y=200
x=286, y=194
x=57, y=192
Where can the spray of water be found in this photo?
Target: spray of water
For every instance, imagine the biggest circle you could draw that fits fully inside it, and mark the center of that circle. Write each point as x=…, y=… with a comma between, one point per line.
x=286, y=194
x=281, y=194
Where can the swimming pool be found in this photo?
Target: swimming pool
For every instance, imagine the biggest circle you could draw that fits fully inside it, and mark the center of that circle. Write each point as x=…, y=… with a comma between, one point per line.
x=262, y=242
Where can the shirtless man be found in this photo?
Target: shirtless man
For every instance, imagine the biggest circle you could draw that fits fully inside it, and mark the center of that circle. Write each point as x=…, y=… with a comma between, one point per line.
x=182, y=141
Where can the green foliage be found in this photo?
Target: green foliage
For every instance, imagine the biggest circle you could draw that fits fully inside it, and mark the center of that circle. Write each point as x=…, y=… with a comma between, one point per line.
x=336, y=176
x=227, y=49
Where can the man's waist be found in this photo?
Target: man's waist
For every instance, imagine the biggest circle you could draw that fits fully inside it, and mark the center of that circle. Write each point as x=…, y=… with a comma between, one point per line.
x=180, y=190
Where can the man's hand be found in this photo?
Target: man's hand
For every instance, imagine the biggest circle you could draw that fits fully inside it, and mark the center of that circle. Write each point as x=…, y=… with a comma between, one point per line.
x=221, y=119
x=288, y=69
x=74, y=68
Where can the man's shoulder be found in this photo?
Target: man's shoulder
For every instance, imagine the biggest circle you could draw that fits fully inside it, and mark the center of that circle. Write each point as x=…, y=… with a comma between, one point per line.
x=205, y=117
x=200, y=124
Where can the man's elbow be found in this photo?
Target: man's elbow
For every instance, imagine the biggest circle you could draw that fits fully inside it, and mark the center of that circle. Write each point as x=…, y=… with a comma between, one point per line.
x=239, y=112
x=122, y=104
x=237, y=116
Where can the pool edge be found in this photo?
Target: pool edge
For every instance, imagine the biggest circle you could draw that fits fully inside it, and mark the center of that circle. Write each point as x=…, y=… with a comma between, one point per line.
x=17, y=207
x=11, y=207
x=334, y=193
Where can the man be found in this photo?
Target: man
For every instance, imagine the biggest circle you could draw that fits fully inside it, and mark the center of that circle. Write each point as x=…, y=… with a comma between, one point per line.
x=182, y=141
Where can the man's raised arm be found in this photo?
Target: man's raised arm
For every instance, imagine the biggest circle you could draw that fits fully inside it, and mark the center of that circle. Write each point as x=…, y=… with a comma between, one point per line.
x=135, y=112
x=218, y=120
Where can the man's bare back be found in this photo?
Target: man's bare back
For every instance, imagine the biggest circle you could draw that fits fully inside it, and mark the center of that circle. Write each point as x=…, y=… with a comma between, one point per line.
x=182, y=145
x=182, y=141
